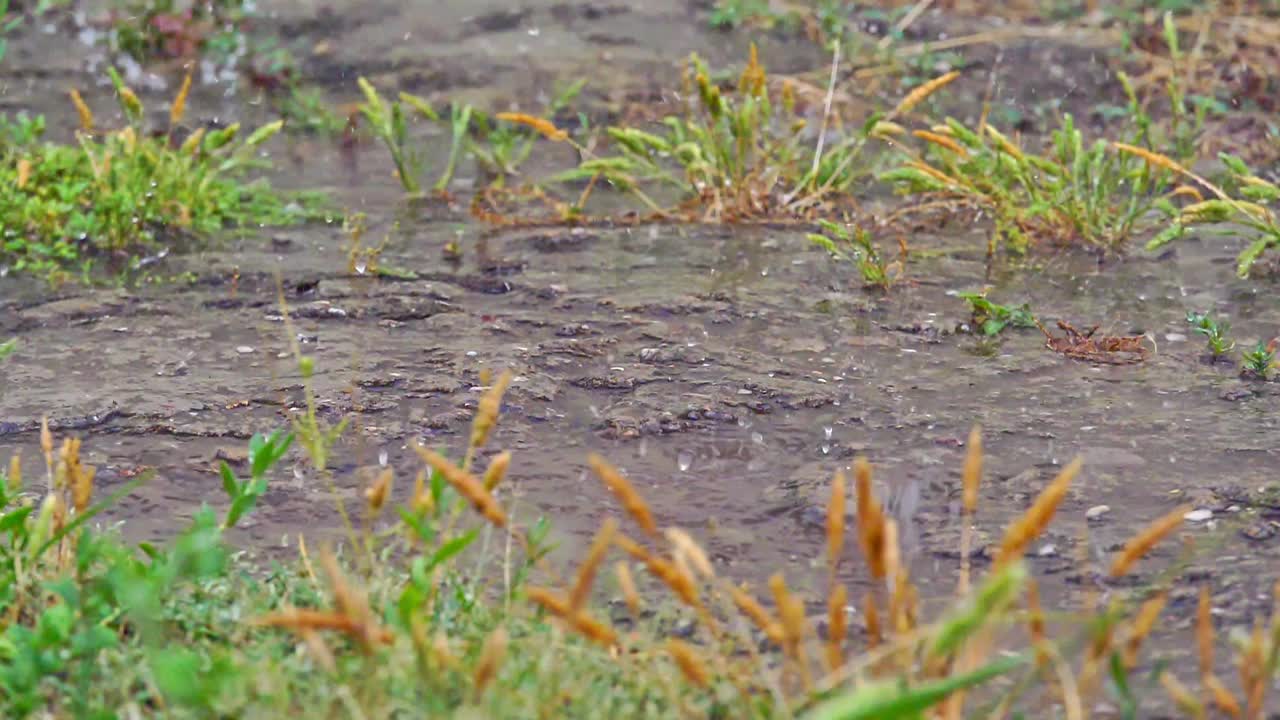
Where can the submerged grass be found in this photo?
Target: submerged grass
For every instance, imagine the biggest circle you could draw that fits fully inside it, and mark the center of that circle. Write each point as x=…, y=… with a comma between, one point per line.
x=121, y=198
x=431, y=610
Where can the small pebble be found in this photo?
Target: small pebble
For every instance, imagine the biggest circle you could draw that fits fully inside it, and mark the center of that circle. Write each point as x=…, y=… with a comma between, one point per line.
x=1048, y=550
x=244, y=349
x=1096, y=512
x=1175, y=337
x=1198, y=516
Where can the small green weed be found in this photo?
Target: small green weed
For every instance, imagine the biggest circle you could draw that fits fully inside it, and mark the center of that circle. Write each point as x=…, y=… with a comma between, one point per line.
x=730, y=14
x=501, y=147
x=116, y=195
x=388, y=120
x=1260, y=360
x=7, y=347
x=851, y=243
x=991, y=318
x=1217, y=333
x=7, y=25
x=151, y=29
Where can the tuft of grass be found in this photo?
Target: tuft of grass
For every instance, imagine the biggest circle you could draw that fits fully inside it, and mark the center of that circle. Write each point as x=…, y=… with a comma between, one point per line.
x=1260, y=360
x=149, y=30
x=1244, y=208
x=743, y=151
x=122, y=198
x=1217, y=333
x=499, y=143
x=851, y=243
x=991, y=318
x=1074, y=191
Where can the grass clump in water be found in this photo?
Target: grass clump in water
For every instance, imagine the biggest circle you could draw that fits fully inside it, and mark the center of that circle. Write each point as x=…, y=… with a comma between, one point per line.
x=991, y=318
x=853, y=244
x=1074, y=192
x=1249, y=211
x=116, y=196
x=743, y=152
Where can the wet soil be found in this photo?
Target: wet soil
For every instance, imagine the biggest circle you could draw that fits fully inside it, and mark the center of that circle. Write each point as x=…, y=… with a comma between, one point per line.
x=730, y=371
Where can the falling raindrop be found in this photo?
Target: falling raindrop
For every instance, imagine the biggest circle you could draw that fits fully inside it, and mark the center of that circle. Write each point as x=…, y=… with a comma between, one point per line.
x=826, y=449
x=361, y=266
x=382, y=458
x=684, y=460
x=827, y=431
x=757, y=438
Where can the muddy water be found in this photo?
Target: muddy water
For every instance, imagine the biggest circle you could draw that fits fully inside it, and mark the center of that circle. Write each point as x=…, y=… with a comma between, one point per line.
x=729, y=371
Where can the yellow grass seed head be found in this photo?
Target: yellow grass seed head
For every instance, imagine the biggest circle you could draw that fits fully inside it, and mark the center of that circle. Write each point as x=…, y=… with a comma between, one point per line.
x=931, y=171
x=1035, y=622
x=376, y=494
x=491, y=658
x=1151, y=157
x=1005, y=144
x=82, y=487
x=1188, y=191
x=496, y=471
x=46, y=441
x=885, y=129
x=627, y=584
x=82, y=109
x=1142, y=625
x=594, y=630
x=920, y=94
x=837, y=627
x=972, y=470
x=871, y=520
x=690, y=664
x=788, y=97
x=591, y=565
x=1181, y=696
x=546, y=127
x=466, y=484
x=1204, y=632
x=15, y=473
x=790, y=610
x=24, y=173
x=442, y=653
x=757, y=614
x=487, y=411
x=626, y=493
x=423, y=502
x=836, y=520
x=872, y=614
x=179, y=106
x=130, y=102
x=1222, y=697
x=941, y=141
x=753, y=80
x=677, y=579
x=710, y=95
x=1146, y=539
x=1028, y=527
x=687, y=551
x=548, y=600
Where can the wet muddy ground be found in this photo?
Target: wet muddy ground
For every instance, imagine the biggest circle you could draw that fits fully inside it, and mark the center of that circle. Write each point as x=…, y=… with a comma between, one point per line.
x=728, y=370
